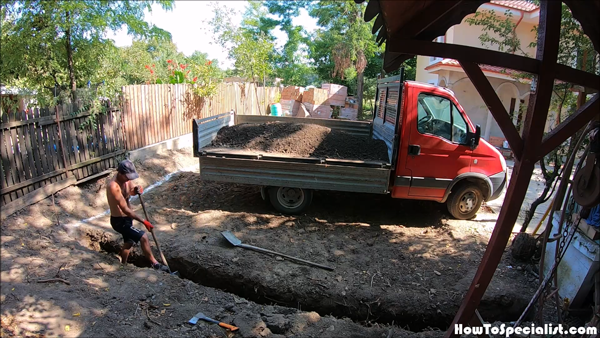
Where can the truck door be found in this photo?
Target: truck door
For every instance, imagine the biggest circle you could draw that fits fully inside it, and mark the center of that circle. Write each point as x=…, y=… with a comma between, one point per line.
x=437, y=146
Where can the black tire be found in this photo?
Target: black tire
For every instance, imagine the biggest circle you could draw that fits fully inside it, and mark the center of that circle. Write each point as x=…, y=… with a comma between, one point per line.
x=464, y=203
x=290, y=201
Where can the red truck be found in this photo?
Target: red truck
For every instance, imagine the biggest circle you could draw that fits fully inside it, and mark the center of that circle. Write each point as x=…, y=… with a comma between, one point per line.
x=435, y=153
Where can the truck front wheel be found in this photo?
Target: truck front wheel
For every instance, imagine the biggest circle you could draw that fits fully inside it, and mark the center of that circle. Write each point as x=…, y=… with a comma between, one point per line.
x=290, y=200
x=464, y=203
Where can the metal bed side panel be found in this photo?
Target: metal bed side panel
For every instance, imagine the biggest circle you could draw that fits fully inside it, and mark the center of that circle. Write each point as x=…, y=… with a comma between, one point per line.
x=295, y=175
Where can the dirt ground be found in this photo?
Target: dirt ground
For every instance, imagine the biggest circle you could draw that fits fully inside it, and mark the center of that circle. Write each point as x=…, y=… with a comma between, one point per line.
x=401, y=267
x=301, y=140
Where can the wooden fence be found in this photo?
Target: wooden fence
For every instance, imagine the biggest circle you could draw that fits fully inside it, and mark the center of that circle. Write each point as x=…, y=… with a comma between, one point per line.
x=46, y=150
x=155, y=113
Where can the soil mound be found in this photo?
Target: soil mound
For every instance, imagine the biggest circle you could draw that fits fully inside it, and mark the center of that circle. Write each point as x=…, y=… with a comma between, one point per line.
x=301, y=140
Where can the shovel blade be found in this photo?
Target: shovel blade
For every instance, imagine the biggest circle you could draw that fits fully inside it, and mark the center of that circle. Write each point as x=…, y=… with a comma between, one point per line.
x=231, y=238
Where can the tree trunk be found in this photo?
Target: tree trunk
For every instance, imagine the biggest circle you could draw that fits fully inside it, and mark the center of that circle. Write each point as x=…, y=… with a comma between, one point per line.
x=541, y=199
x=359, y=92
x=70, y=61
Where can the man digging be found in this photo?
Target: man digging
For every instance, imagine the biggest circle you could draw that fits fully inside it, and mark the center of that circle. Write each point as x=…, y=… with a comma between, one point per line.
x=118, y=191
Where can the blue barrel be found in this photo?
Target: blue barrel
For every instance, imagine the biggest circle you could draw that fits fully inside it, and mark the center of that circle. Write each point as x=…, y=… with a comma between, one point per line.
x=276, y=109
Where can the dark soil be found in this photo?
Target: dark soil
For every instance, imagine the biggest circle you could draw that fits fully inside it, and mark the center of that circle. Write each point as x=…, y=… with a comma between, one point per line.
x=304, y=140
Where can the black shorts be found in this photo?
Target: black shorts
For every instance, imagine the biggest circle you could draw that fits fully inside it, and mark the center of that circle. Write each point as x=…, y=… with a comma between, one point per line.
x=124, y=226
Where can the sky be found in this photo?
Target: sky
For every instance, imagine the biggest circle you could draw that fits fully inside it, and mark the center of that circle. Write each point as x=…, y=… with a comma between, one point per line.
x=187, y=23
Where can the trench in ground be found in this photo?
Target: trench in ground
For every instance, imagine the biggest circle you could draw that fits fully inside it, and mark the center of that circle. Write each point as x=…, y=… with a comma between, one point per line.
x=360, y=312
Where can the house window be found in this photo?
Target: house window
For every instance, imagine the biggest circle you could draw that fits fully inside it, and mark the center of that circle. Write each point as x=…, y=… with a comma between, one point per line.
x=434, y=59
x=438, y=116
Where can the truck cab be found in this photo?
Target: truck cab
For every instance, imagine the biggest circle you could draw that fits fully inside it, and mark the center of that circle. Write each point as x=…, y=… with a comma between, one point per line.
x=436, y=152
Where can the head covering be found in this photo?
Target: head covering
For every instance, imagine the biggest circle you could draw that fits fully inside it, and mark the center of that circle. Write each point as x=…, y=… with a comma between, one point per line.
x=127, y=168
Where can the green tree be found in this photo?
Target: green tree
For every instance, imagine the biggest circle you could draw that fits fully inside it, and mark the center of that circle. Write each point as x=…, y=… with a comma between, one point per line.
x=292, y=62
x=575, y=50
x=51, y=46
x=250, y=45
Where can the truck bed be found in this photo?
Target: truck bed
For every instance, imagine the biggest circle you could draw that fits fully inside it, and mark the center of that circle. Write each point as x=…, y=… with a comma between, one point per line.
x=269, y=169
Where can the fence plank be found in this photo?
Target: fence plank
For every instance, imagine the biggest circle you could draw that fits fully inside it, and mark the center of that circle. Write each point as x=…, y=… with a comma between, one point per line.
x=7, y=162
x=39, y=150
x=99, y=132
x=7, y=177
x=94, y=150
x=164, y=114
x=148, y=115
x=67, y=137
x=39, y=164
x=126, y=101
x=17, y=147
x=173, y=109
x=81, y=147
x=158, y=130
x=118, y=128
x=130, y=116
x=52, y=146
x=177, y=115
x=141, y=130
x=41, y=142
x=26, y=152
x=153, y=114
x=160, y=114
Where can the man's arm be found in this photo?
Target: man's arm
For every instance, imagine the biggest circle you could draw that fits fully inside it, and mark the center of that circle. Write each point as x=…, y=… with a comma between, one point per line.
x=122, y=203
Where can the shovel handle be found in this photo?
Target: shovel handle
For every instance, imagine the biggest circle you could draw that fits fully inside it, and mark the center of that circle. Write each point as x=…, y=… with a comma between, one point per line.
x=229, y=327
x=164, y=260
x=255, y=248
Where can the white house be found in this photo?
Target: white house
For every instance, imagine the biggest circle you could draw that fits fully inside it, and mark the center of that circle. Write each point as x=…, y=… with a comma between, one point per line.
x=448, y=73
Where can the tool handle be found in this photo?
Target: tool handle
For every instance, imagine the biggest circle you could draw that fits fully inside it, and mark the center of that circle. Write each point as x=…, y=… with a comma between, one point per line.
x=255, y=248
x=162, y=256
x=229, y=327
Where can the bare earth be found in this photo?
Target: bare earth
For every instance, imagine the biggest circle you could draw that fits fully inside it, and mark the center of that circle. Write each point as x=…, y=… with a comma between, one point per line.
x=395, y=261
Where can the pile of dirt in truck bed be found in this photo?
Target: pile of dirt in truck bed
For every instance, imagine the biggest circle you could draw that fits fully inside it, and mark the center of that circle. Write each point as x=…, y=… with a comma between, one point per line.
x=302, y=140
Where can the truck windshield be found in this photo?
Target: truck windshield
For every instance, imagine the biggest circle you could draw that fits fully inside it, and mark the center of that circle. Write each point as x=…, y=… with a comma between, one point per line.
x=437, y=115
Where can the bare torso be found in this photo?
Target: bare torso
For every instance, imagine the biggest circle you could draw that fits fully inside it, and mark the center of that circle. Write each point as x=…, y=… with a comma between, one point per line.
x=124, y=189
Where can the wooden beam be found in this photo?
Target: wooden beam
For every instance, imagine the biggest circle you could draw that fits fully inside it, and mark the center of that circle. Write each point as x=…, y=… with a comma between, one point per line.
x=495, y=106
x=543, y=85
x=89, y=178
x=426, y=18
x=39, y=120
x=465, y=53
x=547, y=51
x=576, y=76
x=570, y=126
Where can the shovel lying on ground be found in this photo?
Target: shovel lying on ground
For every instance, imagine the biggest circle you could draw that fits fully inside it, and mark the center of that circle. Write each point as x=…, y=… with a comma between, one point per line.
x=238, y=243
x=201, y=316
x=164, y=260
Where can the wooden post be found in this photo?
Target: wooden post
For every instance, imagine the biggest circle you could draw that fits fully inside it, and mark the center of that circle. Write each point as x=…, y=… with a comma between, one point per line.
x=548, y=37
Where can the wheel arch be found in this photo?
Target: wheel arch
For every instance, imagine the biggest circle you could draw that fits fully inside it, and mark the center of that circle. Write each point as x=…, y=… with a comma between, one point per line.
x=475, y=178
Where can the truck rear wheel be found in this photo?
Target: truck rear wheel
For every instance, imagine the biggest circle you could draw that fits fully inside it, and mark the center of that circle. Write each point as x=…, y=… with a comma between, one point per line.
x=290, y=200
x=464, y=203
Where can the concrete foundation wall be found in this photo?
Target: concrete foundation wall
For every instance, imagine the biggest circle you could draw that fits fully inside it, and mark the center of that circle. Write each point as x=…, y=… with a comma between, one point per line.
x=185, y=141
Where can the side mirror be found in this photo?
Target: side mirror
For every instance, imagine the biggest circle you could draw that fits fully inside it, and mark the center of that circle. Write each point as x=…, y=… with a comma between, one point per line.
x=475, y=137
